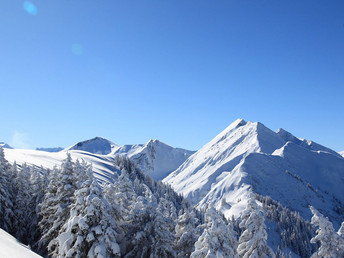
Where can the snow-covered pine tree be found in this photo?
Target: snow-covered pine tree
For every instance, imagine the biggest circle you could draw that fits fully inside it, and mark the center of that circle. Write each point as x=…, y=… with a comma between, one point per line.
x=163, y=238
x=82, y=171
x=253, y=240
x=125, y=195
x=90, y=230
x=138, y=229
x=331, y=244
x=22, y=207
x=217, y=240
x=187, y=233
x=55, y=208
x=38, y=185
x=6, y=195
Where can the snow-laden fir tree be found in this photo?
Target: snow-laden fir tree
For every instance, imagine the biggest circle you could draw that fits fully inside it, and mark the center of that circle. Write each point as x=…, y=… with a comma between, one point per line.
x=122, y=195
x=38, y=179
x=22, y=205
x=162, y=245
x=218, y=238
x=253, y=240
x=138, y=229
x=55, y=208
x=6, y=194
x=90, y=230
x=187, y=233
x=331, y=243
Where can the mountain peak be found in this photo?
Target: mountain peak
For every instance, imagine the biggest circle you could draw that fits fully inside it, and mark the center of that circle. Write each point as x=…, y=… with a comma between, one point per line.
x=96, y=145
x=5, y=145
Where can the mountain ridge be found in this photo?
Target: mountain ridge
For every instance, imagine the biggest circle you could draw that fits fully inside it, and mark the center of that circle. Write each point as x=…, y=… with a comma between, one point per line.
x=249, y=157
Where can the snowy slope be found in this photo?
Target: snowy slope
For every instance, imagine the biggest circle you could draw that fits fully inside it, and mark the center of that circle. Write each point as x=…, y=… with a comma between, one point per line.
x=155, y=157
x=11, y=248
x=97, y=145
x=248, y=157
x=103, y=165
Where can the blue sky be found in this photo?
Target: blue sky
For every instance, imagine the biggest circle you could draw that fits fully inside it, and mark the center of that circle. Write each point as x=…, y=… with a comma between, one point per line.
x=179, y=71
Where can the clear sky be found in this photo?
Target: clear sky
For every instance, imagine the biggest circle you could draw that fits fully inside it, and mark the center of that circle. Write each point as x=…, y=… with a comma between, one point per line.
x=176, y=70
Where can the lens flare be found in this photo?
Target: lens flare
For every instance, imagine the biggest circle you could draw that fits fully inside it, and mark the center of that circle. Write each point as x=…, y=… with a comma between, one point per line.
x=30, y=8
x=77, y=49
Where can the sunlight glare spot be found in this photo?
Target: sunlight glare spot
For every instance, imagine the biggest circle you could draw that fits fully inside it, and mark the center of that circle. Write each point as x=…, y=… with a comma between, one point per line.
x=30, y=8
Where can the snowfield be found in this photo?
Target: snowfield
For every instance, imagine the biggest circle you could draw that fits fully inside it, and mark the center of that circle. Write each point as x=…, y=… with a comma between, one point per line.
x=11, y=248
x=247, y=157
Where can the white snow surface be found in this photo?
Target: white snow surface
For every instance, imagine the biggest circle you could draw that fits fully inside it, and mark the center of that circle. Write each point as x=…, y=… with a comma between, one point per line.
x=342, y=153
x=103, y=165
x=11, y=248
x=248, y=157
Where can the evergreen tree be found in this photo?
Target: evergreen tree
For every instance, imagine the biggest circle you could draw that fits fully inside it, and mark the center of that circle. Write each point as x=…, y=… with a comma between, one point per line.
x=139, y=228
x=38, y=184
x=187, y=233
x=163, y=238
x=218, y=238
x=6, y=194
x=90, y=230
x=252, y=242
x=55, y=207
x=331, y=244
x=22, y=207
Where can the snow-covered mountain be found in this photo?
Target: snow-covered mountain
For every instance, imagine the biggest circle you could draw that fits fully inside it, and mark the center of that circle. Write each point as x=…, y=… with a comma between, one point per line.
x=5, y=145
x=155, y=157
x=97, y=145
x=11, y=248
x=341, y=153
x=248, y=156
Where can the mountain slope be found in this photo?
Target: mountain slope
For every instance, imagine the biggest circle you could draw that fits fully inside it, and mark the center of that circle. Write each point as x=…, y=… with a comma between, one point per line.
x=155, y=157
x=249, y=157
x=103, y=165
x=11, y=248
x=342, y=153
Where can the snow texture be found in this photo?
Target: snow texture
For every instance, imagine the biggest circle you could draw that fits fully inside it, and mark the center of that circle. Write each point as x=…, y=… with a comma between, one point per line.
x=11, y=248
x=247, y=157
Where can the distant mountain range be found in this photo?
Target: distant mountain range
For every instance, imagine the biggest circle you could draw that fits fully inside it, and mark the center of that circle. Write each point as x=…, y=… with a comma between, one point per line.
x=155, y=157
